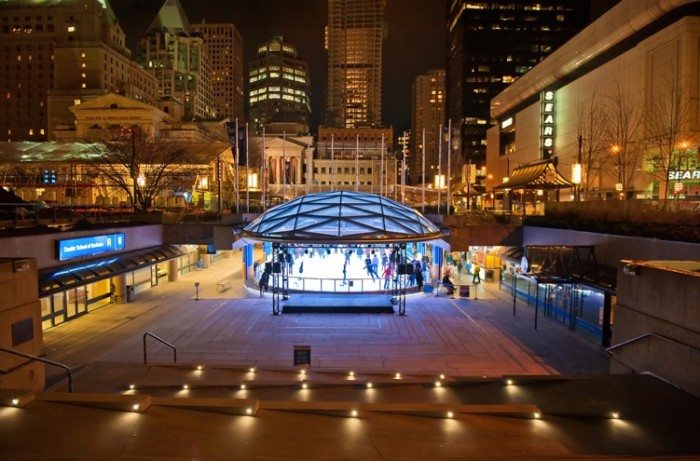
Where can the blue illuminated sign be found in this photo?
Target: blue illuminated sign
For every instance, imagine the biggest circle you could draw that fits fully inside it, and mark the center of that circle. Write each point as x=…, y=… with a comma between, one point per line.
x=88, y=246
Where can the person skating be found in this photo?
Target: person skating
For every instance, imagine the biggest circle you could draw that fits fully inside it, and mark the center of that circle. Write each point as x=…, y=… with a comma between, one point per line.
x=387, y=277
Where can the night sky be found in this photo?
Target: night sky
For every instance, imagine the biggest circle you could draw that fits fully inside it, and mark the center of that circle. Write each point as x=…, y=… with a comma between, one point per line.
x=415, y=41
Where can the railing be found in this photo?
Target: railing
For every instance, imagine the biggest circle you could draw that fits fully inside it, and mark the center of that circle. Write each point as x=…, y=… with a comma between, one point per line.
x=626, y=343
x=33, y=358
x=145, y=352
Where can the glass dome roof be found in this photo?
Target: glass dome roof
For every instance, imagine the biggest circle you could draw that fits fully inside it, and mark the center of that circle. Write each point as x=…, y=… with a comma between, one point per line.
x=341, y=216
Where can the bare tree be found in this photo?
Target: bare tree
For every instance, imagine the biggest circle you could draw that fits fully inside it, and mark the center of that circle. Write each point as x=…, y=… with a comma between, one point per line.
x=623, y=122
x=140, y=165
x=591, y=126
x=666, y=136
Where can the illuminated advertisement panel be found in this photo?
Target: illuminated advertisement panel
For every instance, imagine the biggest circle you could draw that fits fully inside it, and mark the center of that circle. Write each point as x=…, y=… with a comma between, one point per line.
x=547, y=126
x=89, y=246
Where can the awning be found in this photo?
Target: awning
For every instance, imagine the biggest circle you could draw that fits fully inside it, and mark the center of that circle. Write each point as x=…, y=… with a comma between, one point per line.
x=539, y=175
x=462, y=189
x=57, y=279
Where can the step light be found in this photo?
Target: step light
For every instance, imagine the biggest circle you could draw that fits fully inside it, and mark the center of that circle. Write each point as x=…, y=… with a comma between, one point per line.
x=353, y=413
x=397, y=375
x=438, y=384
x=450, y=414
x=369, y=385
x=15, y=402
x=135, y=407
x=243, y=387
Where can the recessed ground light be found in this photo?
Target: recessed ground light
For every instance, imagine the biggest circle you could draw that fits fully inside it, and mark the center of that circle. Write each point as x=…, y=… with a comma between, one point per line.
x=199, y=367
x=248, y=411
x=442, y=376
x=509, y=382
x=243, y=387
x=615, y=415
x=438, y=384
x=450, y=414
x=536, y=415
x=353, y=413
x=397, y=376
x=135, y=407
x=251, y=370
x=15, y=402
x=132, y=386
x=185, y=387
x=369, y=385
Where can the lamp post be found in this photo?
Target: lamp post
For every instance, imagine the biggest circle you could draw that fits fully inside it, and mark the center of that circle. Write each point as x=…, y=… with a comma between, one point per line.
x=577, y=171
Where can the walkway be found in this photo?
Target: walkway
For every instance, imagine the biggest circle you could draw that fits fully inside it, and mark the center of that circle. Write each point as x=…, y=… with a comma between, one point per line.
x=439, y=335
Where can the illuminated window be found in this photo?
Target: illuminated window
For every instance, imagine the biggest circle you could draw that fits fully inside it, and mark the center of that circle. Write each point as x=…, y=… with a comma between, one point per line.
x=71, y=29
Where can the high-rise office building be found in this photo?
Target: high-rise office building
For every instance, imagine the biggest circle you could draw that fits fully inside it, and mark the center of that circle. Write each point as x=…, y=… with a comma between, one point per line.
x=178, y=58
x=225, y=48
x=354, y=38
x=491, y=44
x=57, y=54
x=427, y=114
x=279, y=86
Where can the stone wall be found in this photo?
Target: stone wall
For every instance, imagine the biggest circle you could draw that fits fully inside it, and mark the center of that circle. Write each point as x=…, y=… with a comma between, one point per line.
x=20, y=324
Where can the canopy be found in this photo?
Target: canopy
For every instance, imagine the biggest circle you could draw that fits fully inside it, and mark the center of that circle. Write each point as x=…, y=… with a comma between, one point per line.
x=538, y=175
x=343, y=217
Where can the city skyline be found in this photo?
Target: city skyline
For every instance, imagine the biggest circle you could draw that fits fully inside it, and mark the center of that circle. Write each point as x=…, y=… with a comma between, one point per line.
x=415, y=30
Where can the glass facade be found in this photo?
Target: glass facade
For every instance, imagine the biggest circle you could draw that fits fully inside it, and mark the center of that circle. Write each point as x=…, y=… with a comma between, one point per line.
x=342, y=216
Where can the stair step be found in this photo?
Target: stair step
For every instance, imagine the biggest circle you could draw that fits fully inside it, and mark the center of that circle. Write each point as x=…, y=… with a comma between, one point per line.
x=15, y=397
x=134, y=403
x=229, y=406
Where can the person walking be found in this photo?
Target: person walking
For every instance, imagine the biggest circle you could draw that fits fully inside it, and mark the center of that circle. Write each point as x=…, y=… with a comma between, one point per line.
x=477, y=274
x=264, y=281
x=345, y=273
x=419, y=278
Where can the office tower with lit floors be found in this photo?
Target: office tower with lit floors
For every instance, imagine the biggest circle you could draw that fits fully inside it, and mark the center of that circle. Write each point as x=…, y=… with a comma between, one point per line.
x=57, y=54
x=491, y=44
x=178, y=58
x=225, y=49
x=279, y=86
x=354, y=37
x=427, y=114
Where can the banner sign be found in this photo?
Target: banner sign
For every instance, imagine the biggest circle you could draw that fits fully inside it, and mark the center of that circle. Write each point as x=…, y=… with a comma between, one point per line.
x=89, y=246
x=547, y=125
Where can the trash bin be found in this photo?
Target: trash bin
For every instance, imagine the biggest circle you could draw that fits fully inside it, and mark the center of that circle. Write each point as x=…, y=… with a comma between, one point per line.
x=130, y=294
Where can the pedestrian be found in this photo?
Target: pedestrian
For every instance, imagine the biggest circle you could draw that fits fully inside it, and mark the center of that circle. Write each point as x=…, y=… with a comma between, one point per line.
x=419, y=279
x=477, y=274
x=301, y=268
x=447, y=283
x=459, y=267
x=345, y=272
x=263, y=282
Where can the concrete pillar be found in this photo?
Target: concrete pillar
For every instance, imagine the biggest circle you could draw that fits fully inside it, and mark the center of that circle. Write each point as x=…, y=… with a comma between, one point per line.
x=119, y=288
x=173, y=269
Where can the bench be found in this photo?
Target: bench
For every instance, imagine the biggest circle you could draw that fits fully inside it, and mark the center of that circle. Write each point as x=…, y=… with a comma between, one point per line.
x=223, y=285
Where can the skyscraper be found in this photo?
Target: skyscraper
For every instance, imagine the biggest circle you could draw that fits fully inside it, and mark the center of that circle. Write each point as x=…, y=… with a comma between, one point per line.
x=57, y=54
x=178, y=58
x=225, y=48
x=490, y=44
x=354, y=42
x=427, y=113
x=279, y=86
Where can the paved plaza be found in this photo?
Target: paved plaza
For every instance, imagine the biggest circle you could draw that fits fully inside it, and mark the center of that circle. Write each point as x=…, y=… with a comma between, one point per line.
x=460, y=337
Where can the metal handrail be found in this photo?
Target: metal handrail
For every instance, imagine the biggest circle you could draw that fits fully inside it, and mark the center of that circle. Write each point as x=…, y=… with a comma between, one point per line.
x=625, y=343
x=145, y=353
x=39, y=359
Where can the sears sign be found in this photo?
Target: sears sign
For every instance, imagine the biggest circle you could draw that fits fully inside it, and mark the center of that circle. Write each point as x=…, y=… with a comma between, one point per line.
x=89, y=246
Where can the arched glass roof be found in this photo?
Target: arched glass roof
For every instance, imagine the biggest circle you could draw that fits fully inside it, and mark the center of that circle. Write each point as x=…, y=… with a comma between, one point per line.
x=341, y=216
